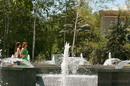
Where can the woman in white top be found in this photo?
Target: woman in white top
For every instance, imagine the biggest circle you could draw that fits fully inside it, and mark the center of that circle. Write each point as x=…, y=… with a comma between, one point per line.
x=17, y=50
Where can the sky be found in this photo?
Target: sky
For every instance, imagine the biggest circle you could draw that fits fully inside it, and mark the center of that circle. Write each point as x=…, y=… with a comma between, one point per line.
x=117, y=2
x=109, y=5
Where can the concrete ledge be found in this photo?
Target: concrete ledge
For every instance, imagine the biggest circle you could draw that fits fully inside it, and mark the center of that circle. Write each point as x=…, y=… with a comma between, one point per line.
x=14, y=76
x=113, y=77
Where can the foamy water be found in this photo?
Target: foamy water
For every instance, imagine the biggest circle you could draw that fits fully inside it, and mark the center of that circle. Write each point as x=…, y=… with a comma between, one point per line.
x=11, y=61
x=64, y=66
x=70, y=64
x=72, y=80
x=121, y=64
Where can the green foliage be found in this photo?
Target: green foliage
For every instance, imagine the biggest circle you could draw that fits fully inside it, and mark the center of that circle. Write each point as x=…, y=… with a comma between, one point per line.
x=15, y=23
x=53, y=17
x=117, y=39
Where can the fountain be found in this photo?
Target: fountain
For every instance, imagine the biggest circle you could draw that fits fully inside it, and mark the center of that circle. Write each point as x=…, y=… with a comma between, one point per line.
x=117, y=73
x=0, y=52
x=111, y=61
x=15, y=62
x=14, y=74
x=52, y=61
x=65, y=78
x=73, y=71
x=64, y=66
x=122, y=64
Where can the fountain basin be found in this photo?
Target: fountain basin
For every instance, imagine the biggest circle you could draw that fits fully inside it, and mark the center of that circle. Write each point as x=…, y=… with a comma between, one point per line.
x=56, y=69
x=17, y=76
x=72, y=80
x=114, y=77
x=107, y=75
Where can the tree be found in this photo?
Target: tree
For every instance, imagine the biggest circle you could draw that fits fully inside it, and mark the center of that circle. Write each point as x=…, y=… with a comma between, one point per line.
x=75, y=27
x=15, y=17
x=117, y=38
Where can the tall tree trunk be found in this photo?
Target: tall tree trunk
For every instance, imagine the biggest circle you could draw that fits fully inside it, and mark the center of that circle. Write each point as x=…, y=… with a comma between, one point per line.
x=34, y=31
x=34, y=34
x=75, y=27
x=4, y=33
x=7, y=30
x=7, y=39
x=4, y=43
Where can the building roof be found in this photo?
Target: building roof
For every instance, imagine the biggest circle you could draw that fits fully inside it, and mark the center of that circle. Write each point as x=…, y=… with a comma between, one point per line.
x=114, y=11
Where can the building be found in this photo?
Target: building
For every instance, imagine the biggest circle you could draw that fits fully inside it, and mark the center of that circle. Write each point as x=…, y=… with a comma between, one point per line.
x=110, y=15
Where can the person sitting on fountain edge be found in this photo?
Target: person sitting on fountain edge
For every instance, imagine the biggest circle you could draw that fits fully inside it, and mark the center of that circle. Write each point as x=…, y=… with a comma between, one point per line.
x=24, y=51
x=17, y=49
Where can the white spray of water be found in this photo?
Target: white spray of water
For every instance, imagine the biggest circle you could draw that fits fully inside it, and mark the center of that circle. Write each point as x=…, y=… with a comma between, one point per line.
x=81, y=55
x=64, y=65
x=121, y=64
x=74, y=63
x=12, y=61
x=111, y=61
x=109, y=55
x=72, y=80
